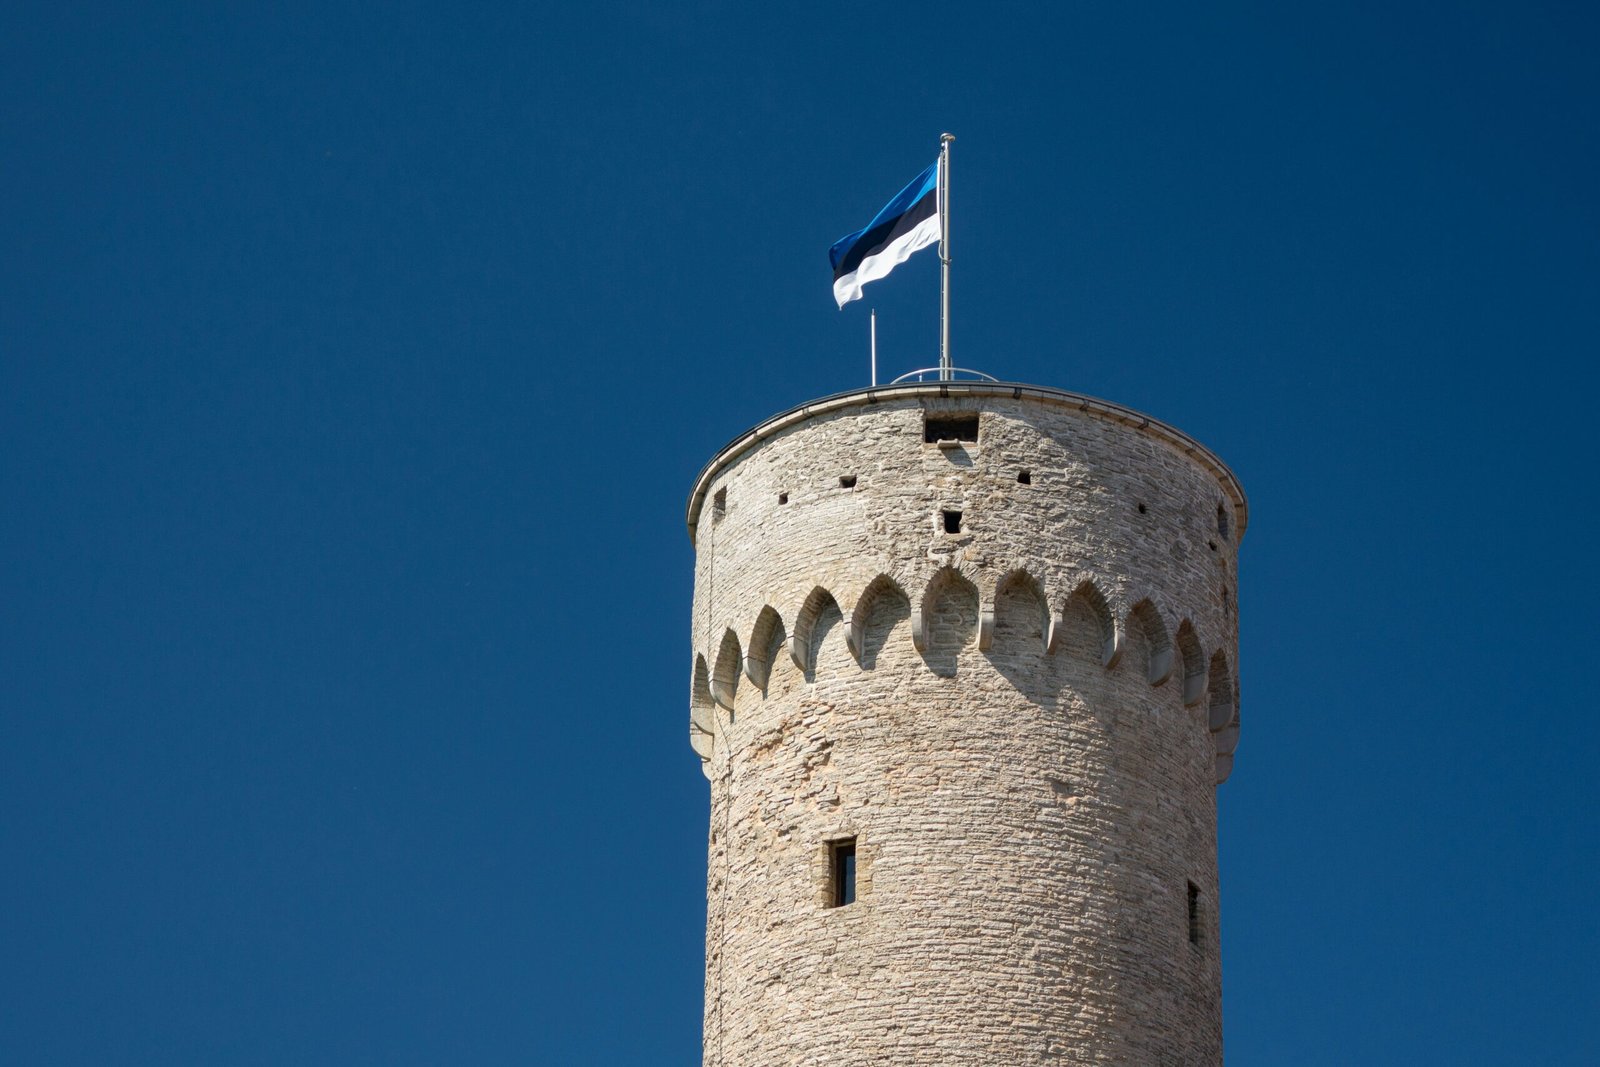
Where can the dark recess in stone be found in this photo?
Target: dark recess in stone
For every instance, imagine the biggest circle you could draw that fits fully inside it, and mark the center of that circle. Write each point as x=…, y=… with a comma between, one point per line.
x=961, y=428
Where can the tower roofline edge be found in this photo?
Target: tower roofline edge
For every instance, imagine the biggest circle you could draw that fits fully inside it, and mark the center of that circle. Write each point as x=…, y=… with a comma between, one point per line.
x=1091, y=406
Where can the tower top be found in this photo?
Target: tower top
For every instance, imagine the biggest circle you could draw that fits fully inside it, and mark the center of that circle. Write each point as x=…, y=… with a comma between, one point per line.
x=963, y=682
x=1093, y=407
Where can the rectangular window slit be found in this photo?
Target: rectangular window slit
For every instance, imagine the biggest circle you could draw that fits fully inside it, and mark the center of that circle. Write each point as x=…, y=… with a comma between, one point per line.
x=719, y=503
x=958, y=428
x=842, y=871
x=1194, y=914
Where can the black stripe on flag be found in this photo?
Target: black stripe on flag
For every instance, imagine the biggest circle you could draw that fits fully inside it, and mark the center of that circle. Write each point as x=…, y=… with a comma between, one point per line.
x=884, y=234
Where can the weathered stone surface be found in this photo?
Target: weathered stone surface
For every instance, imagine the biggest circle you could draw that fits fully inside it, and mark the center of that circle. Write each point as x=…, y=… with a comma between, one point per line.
x=988, y=712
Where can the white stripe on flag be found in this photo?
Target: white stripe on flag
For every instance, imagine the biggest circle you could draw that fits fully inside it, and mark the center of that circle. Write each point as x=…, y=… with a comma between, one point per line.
x=848, y=287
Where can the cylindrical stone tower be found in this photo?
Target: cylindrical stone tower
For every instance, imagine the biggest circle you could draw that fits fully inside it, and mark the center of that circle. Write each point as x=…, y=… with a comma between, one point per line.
x=964, y=684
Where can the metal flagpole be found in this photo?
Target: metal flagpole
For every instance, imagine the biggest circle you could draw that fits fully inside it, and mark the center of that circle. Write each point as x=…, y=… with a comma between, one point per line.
x=874, y=346
x=944, y=255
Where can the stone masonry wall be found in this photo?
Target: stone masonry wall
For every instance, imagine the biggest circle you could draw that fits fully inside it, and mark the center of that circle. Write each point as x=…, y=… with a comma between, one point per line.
x=1021, y=724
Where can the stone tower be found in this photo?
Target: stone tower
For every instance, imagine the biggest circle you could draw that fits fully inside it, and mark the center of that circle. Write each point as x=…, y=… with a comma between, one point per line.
x=964, y=685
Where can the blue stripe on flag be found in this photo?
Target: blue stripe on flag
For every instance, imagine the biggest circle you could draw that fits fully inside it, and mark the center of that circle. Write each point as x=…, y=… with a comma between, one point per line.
x=884, y=220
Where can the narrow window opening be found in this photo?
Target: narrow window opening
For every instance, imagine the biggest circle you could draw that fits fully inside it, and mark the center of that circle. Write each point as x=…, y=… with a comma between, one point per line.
x=1194, y=914
x=719, y=504
x=1222, y=520
x=783, y=498
x=1142, y=508
x=842, y=871
x=847, y=481
x=952, y=521
x=1024, y=478
x=958, y=428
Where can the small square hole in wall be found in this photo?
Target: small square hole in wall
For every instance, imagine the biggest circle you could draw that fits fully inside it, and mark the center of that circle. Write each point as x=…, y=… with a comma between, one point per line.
x=1024, y=478
x=847, y=481
x=842, y=872
x=783, y=498
x=719, y=504
x=952, y=521
x=1142, y=508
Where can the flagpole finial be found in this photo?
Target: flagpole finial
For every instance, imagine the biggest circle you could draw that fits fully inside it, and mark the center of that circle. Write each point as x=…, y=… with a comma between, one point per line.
x=946, y=137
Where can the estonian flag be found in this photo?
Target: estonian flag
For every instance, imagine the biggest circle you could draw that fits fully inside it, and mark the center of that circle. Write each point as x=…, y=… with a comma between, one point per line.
x=909, y=223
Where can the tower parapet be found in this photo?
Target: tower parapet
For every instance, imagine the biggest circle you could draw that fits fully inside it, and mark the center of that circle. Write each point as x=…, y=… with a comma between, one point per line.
x=983, y=633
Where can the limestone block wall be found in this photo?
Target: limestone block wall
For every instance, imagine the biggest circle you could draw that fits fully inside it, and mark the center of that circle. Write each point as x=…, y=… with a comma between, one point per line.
x=1019, y=710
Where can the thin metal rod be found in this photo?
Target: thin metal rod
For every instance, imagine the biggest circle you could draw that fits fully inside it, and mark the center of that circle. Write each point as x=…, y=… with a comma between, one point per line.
x=944, y=256
x=874, y=346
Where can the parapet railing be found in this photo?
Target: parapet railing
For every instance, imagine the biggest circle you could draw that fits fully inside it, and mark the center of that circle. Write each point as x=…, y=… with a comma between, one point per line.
x=944, y=374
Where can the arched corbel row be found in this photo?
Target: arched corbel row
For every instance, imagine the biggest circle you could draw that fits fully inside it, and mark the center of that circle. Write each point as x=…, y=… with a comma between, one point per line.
x=1145, y=616
x=805, y=624
x=725, y=675
x=765, y=637
x=1194, y=663
x=1181, y=653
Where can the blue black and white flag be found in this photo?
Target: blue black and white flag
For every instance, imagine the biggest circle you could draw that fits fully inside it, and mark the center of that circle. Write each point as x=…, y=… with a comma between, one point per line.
x=909, y=223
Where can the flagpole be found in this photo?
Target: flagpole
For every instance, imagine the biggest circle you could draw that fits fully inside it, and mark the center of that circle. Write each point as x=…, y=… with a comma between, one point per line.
x=874, y=346
x=944, y=255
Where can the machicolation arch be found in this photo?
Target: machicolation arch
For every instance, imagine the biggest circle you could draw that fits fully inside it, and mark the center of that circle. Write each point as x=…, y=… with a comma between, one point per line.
x=949, y=616
x=1158, y=666
x=766, y=641
x=725, y=674
x=882, y=606
x=1193, y=663
x=818, y=601
x=702, y=714
x=817, y=616
x=1086, y=609
x=1021, y=612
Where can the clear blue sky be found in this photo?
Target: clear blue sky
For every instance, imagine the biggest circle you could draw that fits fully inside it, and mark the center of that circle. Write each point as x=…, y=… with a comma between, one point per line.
x=355, y=363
